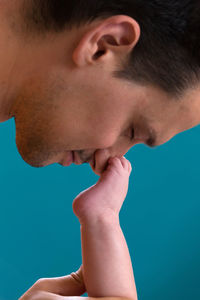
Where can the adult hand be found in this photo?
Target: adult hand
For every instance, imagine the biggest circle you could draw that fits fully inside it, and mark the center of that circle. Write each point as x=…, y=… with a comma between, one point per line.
x=61, y=288
x=57, y=288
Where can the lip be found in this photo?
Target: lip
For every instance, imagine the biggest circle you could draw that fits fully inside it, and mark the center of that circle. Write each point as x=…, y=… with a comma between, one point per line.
x=77, y=160
x=73, y=157
x=68, y=159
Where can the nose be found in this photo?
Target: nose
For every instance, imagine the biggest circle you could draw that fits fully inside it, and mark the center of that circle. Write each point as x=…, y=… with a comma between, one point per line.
x=101, y=157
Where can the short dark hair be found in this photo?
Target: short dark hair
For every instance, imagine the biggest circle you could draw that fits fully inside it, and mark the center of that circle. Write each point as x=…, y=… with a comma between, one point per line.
x=168, y=52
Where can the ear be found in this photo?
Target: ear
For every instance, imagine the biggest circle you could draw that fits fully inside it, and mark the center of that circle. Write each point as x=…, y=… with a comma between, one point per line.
x=116, y=35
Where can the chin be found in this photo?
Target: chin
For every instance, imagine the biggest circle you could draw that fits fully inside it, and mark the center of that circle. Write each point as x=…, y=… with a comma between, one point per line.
x=32, y=158
x=33, y=163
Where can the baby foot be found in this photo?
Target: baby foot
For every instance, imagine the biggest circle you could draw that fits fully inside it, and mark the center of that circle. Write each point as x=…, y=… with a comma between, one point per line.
x=106, y=197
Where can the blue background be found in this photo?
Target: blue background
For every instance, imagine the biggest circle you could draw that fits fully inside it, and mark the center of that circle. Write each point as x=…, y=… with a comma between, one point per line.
x=40, y=235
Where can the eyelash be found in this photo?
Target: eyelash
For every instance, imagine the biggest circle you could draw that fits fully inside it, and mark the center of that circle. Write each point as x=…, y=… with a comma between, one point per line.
x=132, y=134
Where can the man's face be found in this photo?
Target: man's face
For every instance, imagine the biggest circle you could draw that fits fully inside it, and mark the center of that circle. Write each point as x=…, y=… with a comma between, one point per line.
x=62, y=108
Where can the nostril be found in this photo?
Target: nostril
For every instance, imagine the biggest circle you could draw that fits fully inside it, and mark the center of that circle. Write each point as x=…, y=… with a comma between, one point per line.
x=92, y=162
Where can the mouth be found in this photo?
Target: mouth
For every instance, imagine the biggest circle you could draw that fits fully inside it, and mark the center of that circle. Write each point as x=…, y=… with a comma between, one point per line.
x=68, y=159
x=72, y=157
x=78, y=161
x=76, y=158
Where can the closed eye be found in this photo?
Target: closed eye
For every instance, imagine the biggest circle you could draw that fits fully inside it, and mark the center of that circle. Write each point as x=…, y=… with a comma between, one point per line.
x=132, y=134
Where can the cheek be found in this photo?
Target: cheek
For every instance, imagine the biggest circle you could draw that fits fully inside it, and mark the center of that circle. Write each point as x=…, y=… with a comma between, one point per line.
x=164, y=138
x=34, y=128
x=105, y=139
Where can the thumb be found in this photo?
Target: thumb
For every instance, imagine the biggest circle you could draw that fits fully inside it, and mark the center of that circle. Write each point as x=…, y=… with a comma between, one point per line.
x=78, y=281
x=70, y=285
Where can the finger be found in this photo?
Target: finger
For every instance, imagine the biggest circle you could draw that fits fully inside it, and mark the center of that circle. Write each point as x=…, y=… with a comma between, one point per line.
x=42, y=295
x=70, y=285
x=78, y=277
x=50, y=296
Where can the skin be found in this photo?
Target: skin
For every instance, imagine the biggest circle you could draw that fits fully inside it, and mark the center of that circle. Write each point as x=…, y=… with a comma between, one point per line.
x=106, y=197
x=63, y=97
x=104, y=248
x=102, y=240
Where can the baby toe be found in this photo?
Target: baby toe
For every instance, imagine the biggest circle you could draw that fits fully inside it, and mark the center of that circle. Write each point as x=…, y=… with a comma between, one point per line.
x=129, y=167
x=125, y=163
